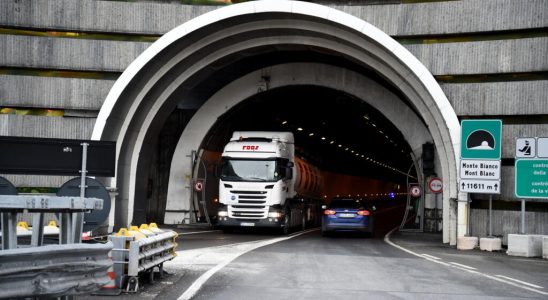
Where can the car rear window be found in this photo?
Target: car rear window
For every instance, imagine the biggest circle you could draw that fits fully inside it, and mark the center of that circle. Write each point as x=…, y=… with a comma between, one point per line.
x=345, y=203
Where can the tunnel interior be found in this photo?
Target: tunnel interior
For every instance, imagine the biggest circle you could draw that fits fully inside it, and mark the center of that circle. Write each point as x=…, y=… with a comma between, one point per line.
x=334, y=131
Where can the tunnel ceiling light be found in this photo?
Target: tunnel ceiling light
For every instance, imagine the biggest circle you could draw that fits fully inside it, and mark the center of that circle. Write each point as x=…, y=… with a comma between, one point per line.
x=332, y=142
x=352, y=151
x=299, y=129
x=373, y=124
x=323, y=138
x=346, y=149
x=366, y=117
x=381, y=132
x=284, y=122
x=341, y=146
x=311, y=134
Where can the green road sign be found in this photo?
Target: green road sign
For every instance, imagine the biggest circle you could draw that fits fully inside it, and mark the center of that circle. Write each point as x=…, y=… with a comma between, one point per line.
x=481, y=139
x=532, y=178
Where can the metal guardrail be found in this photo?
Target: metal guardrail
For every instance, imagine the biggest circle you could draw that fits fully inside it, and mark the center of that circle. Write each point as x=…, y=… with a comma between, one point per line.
x=135, y=254
x=70, y=209
x=54, y=270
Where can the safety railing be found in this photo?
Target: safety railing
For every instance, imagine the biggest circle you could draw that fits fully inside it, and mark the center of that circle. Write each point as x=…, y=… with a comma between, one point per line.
x=139, y=251
x=53, y=270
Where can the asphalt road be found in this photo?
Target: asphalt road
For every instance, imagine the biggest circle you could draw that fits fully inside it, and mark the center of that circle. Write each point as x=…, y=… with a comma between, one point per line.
x=258, y=265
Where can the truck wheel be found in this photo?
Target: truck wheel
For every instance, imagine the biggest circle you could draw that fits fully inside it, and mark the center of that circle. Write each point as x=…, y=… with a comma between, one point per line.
x=287, y=223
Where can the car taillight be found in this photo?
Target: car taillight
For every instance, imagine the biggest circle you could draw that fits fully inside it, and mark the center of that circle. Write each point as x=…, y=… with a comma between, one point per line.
x=329, y=212
x=363, y=212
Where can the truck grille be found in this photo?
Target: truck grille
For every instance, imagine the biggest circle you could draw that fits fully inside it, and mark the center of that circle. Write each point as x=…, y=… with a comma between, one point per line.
x=251, y=205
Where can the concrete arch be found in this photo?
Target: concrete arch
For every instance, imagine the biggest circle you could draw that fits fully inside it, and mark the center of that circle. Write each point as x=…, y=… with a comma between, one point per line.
x=165, y=73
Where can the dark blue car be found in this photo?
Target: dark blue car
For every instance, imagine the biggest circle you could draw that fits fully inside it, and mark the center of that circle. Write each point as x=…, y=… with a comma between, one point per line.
x=347, y=214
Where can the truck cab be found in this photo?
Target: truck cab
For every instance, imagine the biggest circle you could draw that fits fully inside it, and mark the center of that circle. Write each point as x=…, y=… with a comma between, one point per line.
x=256, y=186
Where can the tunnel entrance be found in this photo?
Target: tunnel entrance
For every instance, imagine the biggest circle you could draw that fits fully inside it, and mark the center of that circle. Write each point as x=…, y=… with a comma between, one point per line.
x=211, y=64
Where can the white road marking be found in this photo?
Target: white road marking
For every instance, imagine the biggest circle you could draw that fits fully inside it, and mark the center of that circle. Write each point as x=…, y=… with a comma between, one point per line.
x=522, y=282
x=430, y=256
x=197, y=232
x=238, y=250
x=499, y=279
x=461, y=265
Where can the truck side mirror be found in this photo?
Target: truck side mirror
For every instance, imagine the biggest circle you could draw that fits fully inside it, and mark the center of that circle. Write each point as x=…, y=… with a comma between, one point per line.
x=289, y=173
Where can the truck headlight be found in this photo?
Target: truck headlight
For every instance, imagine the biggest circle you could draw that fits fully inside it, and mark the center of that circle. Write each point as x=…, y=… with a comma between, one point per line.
x=222, y=213
x=275, y=214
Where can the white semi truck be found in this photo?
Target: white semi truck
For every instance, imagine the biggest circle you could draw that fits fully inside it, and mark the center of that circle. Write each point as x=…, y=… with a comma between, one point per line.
x=263, y=184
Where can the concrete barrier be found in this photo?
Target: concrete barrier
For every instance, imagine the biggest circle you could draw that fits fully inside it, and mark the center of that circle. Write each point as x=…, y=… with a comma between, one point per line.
x=527, y=245
x=490, y=244
x=467, y=242
x=545, y=247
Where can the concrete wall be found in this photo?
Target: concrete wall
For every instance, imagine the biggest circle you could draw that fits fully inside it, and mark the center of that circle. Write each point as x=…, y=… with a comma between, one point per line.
x=110, y=54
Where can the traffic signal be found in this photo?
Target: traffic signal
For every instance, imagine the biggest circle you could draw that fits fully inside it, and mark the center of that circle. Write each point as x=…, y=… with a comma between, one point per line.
x=428, y=159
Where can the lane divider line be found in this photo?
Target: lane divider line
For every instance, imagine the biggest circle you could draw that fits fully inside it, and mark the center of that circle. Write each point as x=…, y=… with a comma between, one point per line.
x=461, y=265
x=495, y=278
x=197, y=285
x=430, y=256
x=522, y=282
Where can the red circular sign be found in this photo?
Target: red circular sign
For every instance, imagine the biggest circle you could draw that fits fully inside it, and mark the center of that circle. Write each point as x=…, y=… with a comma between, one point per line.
x=435, y=185
x=198, y=186
x=415, y=191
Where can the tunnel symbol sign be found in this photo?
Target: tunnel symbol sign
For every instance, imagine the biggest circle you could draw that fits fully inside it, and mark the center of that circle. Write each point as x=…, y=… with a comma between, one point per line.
x=481, y=139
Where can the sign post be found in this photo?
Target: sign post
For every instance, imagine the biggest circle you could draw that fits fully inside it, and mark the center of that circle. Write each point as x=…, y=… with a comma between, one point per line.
x=480, y=166
x=531, y=180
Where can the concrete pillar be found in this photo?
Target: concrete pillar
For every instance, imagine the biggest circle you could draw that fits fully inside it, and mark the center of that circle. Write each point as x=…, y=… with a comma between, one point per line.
x=462, y=214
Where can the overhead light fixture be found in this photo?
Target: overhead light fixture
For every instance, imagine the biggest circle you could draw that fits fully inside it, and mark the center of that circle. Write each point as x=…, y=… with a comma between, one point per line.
x=311, y=134
x=332, y=142
x=346, y=149
x=323, y=138
x=299, y=129
x=341, y=146
x=284, y=122
x=373, y=124
x=366, y=117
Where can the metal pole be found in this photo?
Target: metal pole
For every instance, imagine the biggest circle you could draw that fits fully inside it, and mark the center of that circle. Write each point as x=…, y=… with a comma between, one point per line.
x=469, y=214
x=78, y=217
x=423, y=203
x=522, y=216
x=490, y=215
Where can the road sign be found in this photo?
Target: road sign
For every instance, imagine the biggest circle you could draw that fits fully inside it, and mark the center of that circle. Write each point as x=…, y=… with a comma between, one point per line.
x=532, y=178
x=479, y=186
x=415, y=191
x=526, y=147
x=435, y=185
x=542, y=145
x=198, y=185
x=481, y=139
x=480, y=169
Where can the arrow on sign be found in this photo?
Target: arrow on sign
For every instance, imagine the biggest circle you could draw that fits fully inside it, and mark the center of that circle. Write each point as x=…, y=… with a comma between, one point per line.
x=496, y=187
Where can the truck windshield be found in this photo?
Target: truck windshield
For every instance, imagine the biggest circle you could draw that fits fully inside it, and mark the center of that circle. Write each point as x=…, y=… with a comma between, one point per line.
x=249, y=170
